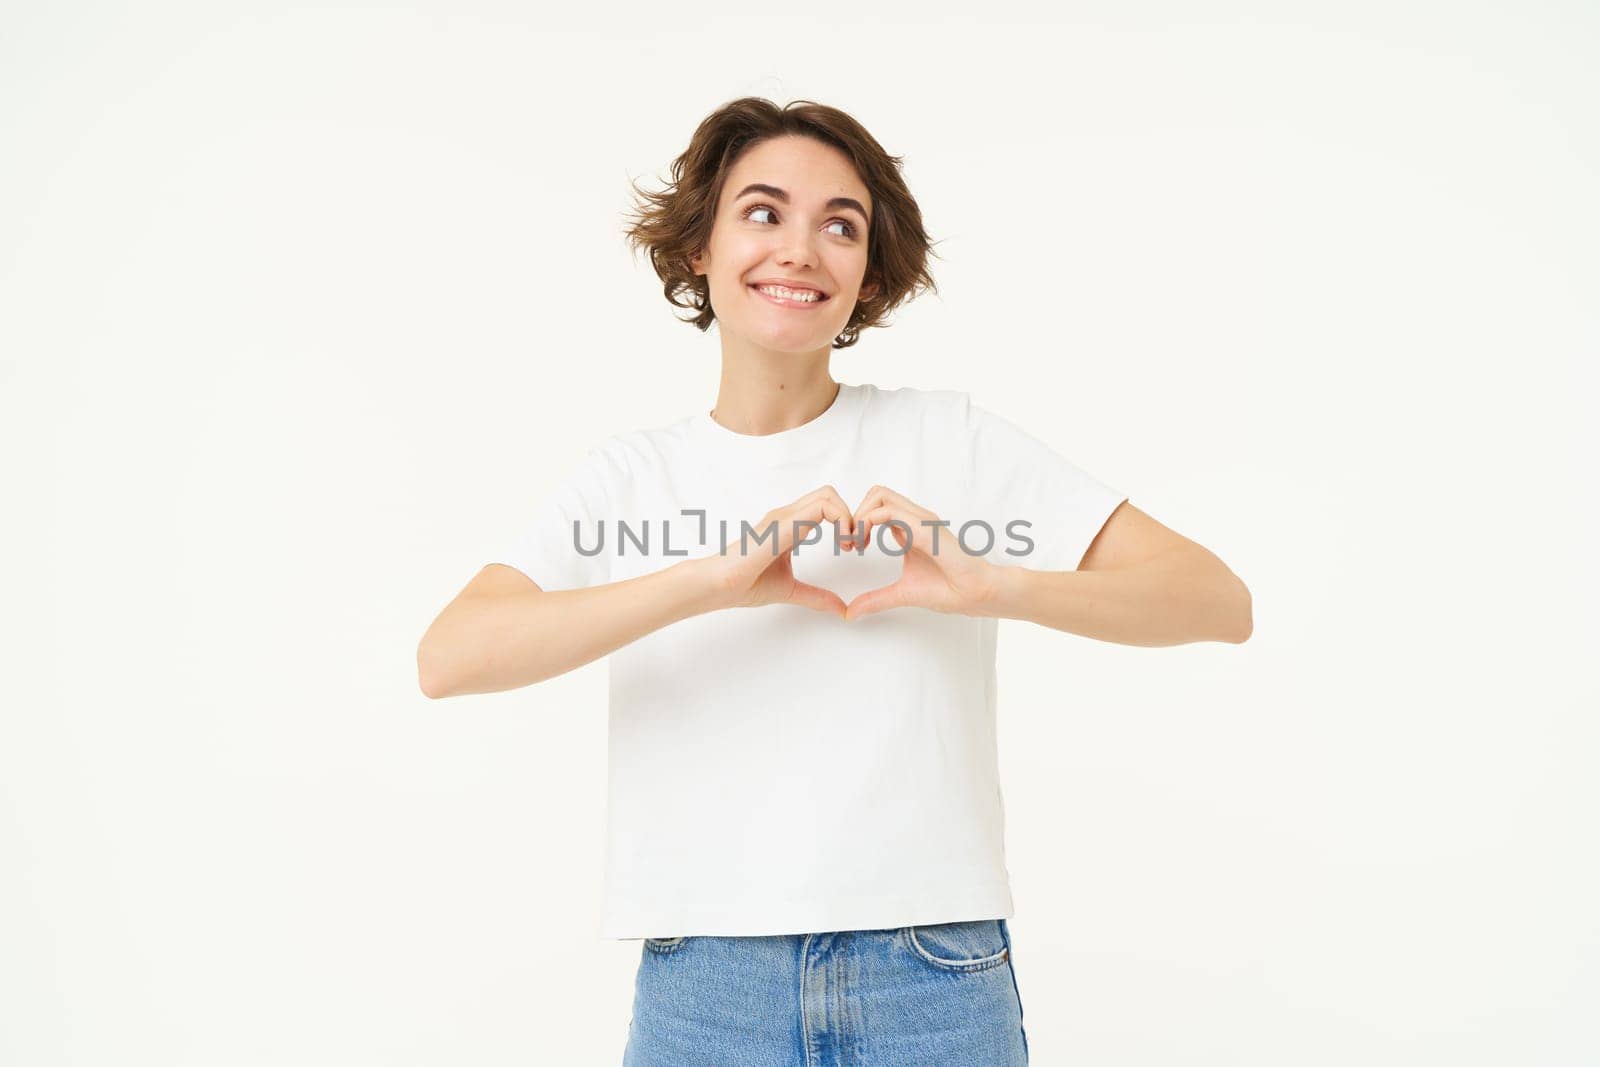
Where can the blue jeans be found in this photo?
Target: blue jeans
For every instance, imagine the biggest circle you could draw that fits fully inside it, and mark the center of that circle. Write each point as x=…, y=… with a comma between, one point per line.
x=942, y=993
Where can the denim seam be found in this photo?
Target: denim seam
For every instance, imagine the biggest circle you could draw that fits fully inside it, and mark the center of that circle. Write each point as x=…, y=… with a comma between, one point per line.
x=1021, y=1023
x=805, y=1016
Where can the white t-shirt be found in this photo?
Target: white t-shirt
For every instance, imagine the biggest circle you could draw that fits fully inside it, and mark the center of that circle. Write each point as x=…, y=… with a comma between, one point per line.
x=777, y=770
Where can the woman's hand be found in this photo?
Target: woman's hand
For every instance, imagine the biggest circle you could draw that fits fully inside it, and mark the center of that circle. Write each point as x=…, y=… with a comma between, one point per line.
x=748, y=575
x=946, y=580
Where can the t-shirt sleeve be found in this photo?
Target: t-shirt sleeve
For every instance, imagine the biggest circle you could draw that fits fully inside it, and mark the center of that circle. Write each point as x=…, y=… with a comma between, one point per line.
x=1017, y=476
x=547, y=548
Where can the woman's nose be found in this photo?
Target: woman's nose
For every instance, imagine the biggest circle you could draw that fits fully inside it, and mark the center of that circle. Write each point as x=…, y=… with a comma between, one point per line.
x=798, y=250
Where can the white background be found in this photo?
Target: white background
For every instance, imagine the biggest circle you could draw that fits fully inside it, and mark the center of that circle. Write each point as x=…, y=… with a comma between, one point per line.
x=302, y=308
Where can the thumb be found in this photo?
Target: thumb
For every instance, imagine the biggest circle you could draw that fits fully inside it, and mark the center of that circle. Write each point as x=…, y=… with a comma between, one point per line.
x=806, y=595
x=873, y=600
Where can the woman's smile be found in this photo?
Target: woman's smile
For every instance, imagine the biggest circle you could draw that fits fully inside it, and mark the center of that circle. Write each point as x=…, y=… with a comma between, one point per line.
x=771, y=296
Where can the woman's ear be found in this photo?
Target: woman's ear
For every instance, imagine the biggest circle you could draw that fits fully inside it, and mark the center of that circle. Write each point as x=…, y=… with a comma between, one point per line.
x=867, y=291
x=697, y=263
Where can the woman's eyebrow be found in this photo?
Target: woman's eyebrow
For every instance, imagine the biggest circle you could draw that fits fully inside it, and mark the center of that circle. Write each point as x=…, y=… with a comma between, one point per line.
x=778, y=194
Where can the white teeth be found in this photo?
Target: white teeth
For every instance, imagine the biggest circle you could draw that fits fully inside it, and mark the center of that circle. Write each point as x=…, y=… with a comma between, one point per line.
x=790, y=294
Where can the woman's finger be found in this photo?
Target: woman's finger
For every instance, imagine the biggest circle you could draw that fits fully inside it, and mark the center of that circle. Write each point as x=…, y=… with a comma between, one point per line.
x=806, y=595
x=880, y=496
x=822, y=505
x=908, y=529
x=876, y=600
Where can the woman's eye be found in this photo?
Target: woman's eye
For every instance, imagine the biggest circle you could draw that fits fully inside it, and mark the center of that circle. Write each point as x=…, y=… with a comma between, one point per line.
x=849, y=227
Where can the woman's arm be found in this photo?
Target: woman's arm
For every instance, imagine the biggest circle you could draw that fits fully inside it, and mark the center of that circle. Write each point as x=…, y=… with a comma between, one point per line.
x=1139, y=583
x=504, y=632
x=1183, y=595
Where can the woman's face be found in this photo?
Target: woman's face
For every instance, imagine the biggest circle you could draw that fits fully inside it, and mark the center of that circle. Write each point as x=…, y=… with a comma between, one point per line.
x=791, y=210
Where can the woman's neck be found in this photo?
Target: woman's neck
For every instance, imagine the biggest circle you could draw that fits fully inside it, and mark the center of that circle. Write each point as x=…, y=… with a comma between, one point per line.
x=772, y=397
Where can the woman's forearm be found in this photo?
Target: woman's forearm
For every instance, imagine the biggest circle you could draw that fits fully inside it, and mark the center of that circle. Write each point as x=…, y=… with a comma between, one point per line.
x=491, y=644
x=1178, y=597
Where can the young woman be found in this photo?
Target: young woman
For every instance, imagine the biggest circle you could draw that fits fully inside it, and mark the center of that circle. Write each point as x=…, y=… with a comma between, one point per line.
x=799, y=591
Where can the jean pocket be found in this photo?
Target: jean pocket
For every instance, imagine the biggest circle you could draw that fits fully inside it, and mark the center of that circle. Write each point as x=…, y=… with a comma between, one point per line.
x=664, y=944
x=961, y=947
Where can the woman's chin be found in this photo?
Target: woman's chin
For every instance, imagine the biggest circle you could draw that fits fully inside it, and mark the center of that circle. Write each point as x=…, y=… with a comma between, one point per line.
x=795, y=341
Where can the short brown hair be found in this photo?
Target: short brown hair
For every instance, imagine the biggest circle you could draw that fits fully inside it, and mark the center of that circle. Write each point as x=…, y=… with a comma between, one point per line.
x=674, y=224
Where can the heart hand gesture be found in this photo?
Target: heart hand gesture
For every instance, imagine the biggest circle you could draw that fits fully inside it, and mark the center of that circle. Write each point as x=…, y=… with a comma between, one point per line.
x=752, y=572
x=938, y=575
